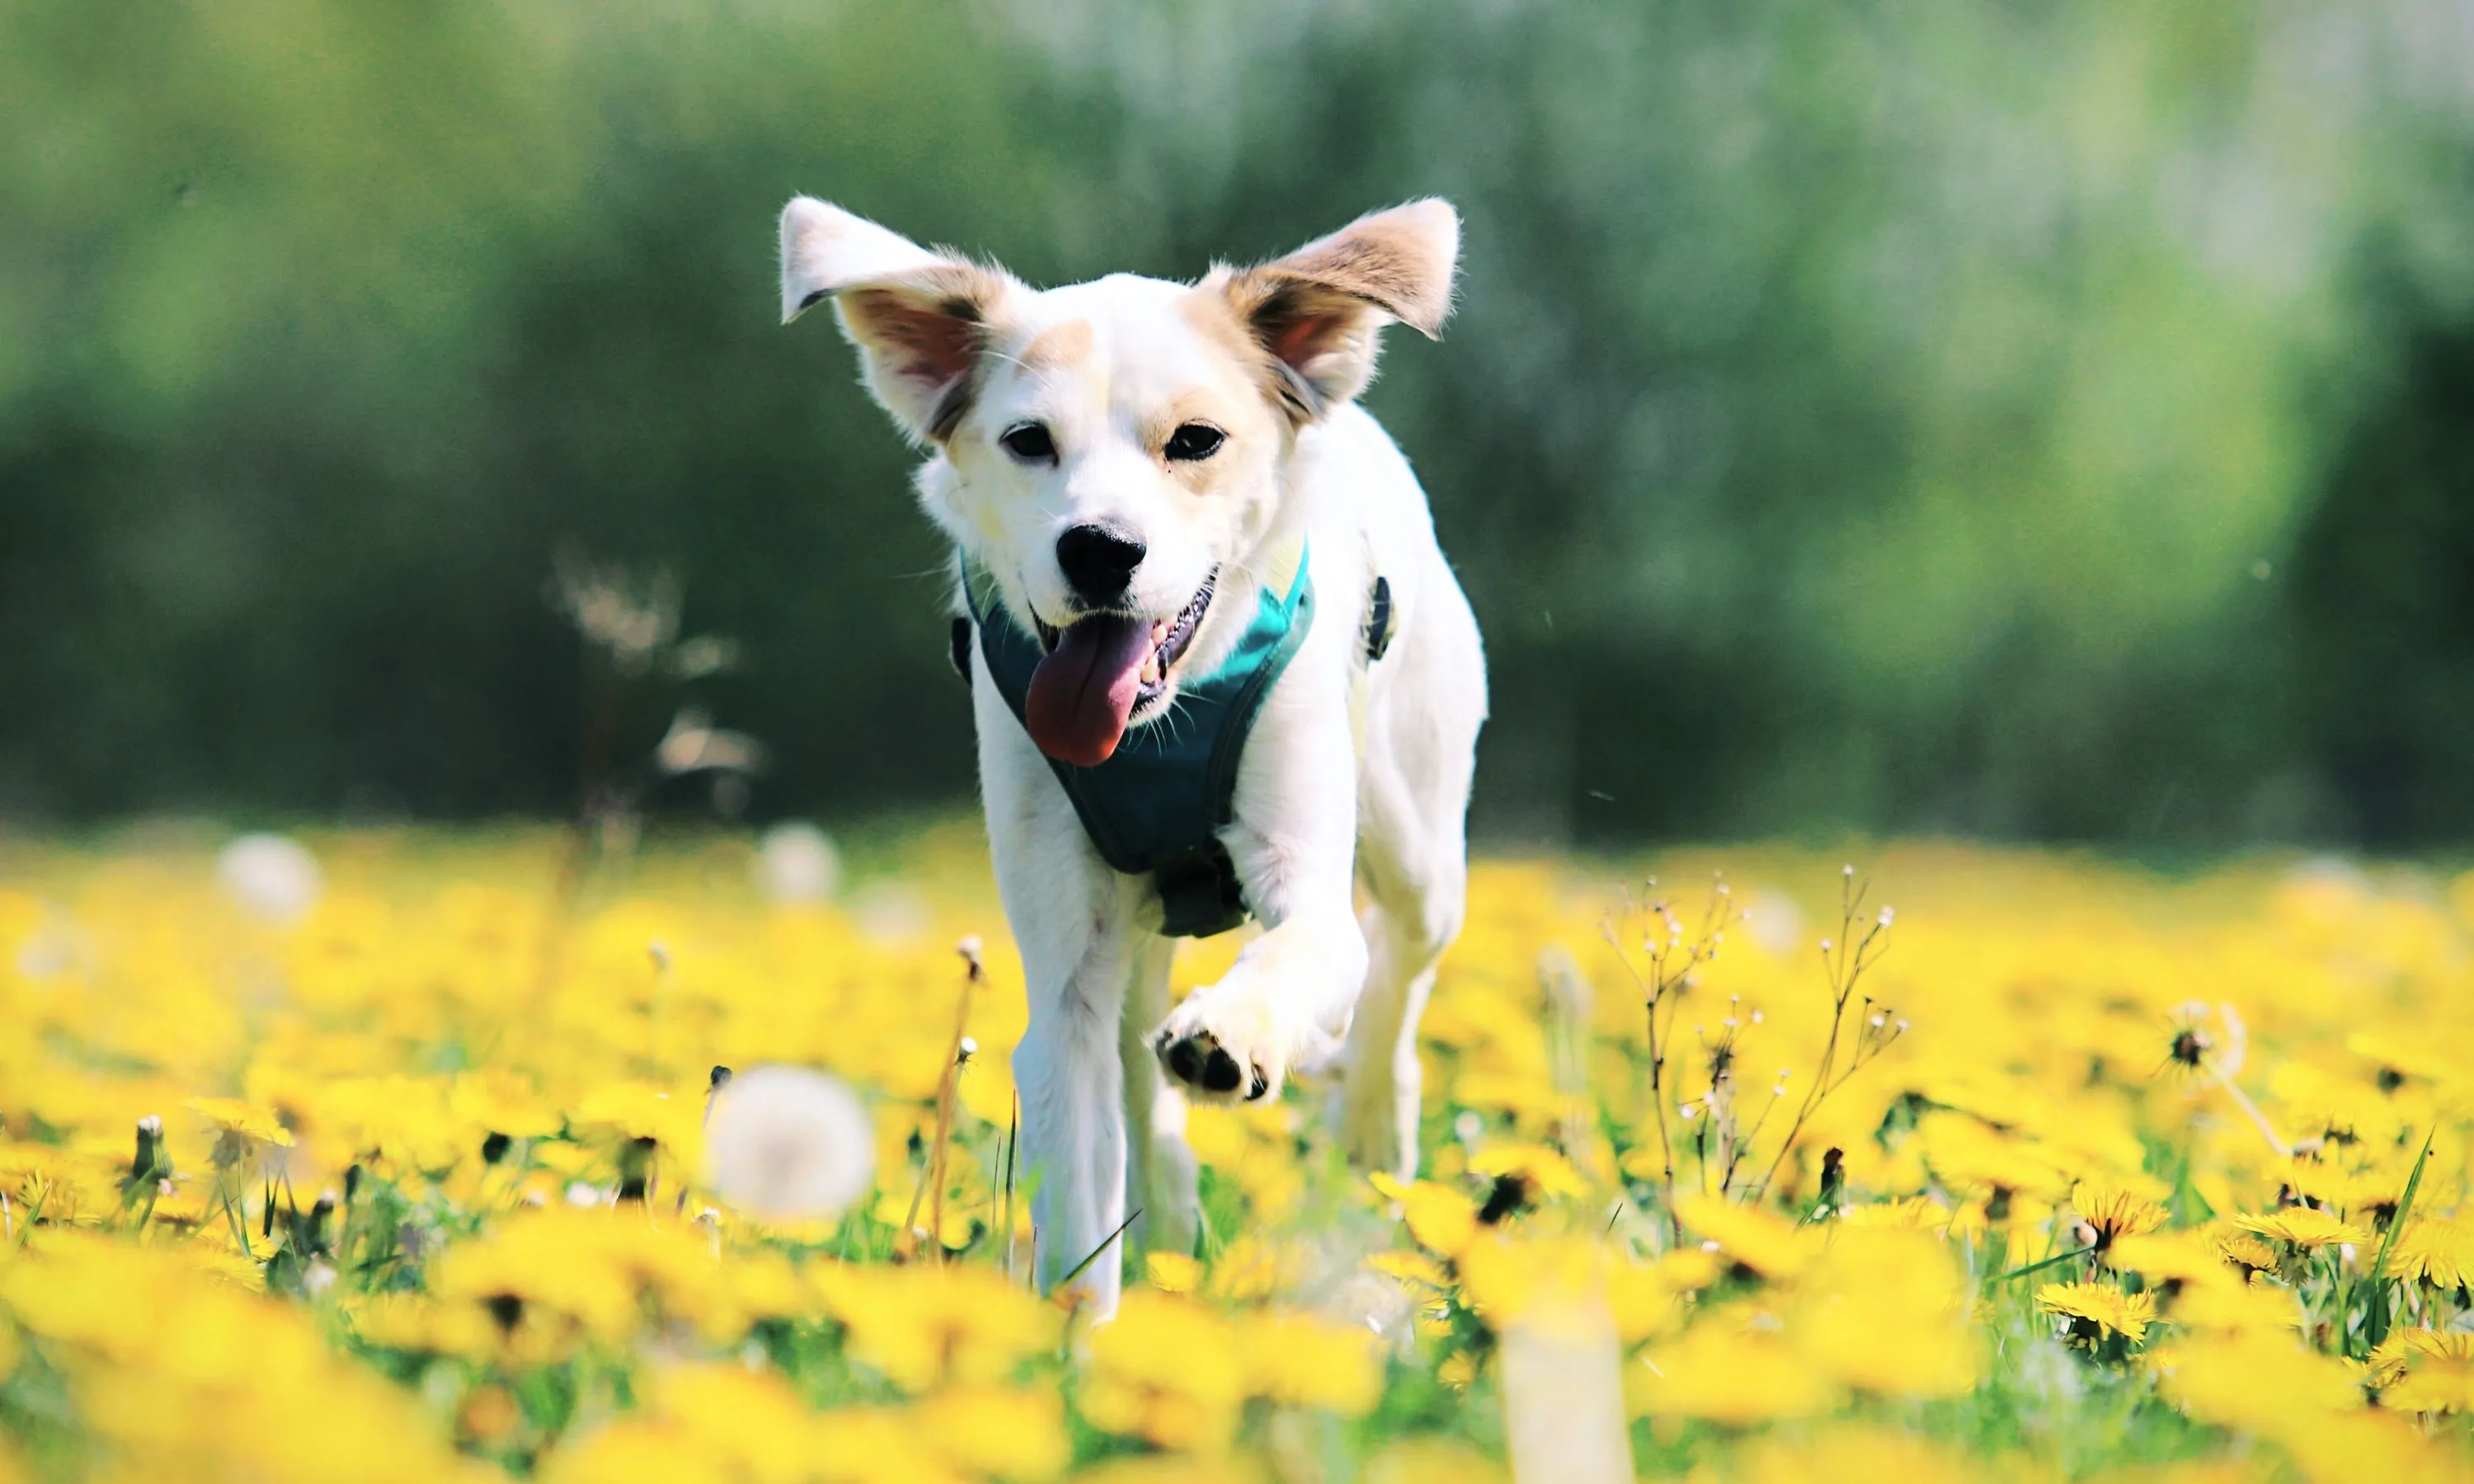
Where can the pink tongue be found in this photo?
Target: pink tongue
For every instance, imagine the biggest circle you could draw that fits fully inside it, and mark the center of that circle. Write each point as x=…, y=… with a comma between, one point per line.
x=1082, y=693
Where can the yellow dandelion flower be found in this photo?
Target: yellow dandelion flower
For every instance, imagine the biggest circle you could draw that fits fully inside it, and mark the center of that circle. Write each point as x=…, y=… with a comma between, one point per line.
x=1166, y=1369
x=503, y=1102
x=1441, y=1219
x=1883, y=1311
x=1171, y=1469
x=2444, y=1360
x=1543, y=1169
x=1768, y=1245
x=1507, y=1278
x=2245, y=1250
x=2436, y=1253
x=2303, y=1226
x=1433, y=1461
x=1255, y=1268
x=2358, y=1192
x=872, y=1444
x=419, y=1324
x=1300, y=1359
x=1916, y=1213
x=918, y=1326
x=2224, y=1305
x=1688, y=1269
x=1723, y=1373
x=1414, y=1268
x=2114, y=1211
x=245, y=1120
x=1846, y=1452
x=1967, y=1155
x=2433, y=1388
x=999, y=1432
x=750, y=1422
x=1172, y=1272
x=2170, y=1256
x=2263, y=1382
x=2100, y=1309
x=1642, y=1299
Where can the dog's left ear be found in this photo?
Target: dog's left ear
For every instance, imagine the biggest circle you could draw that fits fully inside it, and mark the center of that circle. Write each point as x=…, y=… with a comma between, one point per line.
x=919, y=318
x=1318, y=312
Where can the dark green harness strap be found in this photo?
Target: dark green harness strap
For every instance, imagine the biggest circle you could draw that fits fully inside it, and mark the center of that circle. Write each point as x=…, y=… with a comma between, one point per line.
x=1157, y=806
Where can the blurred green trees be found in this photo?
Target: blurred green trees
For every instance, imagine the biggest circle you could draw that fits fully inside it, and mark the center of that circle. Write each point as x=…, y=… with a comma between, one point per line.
x=2038, y=420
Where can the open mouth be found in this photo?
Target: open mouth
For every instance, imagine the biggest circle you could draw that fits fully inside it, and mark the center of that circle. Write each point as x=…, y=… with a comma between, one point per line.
x=1170, y=638
x=1098, y=671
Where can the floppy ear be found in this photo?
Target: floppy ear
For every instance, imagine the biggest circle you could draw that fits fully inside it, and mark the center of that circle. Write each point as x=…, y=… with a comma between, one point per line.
x=918, y=318
x=1317, y=312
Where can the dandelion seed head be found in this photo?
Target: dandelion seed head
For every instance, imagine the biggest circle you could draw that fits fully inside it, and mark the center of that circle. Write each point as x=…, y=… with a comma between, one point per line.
x=273, y=878
x=798, y=864
x=787, y=1143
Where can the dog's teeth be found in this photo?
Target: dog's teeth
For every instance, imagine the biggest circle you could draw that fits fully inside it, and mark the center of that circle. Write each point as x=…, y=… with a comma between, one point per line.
x=1152, y=671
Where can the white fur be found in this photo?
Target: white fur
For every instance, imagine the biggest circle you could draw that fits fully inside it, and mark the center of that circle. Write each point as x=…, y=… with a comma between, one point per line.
x=1315, y=816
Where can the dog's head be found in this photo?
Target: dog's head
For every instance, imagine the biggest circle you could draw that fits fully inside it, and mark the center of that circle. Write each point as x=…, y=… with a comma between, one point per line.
x=1116, y=453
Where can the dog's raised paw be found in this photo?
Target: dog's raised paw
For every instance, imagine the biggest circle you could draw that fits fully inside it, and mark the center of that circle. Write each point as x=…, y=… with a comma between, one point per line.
x=1194, y=1055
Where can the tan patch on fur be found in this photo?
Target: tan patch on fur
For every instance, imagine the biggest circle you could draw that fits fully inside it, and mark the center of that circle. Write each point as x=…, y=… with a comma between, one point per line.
x=1221, y=308
x=1213, y=312
x=1059, y=346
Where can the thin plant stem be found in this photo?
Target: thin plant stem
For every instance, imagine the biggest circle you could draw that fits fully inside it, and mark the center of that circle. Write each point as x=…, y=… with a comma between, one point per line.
x=2259, y=1119
x=947, y=1084
x=1132, y=1216
x=2042, y=1263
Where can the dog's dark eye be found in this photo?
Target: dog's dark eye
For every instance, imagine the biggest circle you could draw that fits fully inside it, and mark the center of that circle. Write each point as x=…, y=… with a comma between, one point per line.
x=1029, y=443
x=1193, y=441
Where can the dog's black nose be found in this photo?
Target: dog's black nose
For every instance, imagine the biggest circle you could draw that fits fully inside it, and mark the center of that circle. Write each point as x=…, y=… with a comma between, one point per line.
x=1098, y=562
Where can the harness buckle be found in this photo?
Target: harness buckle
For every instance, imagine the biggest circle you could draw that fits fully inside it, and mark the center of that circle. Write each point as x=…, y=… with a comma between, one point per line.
x=1198, y=891
x=961, y=653
x=1378, y=619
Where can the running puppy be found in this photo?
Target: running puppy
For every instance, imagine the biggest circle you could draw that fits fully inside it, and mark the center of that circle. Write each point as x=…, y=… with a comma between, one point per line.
x=1219, y=668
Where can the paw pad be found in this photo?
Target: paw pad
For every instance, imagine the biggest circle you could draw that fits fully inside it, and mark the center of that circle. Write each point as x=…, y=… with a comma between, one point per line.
x=1199, y=1061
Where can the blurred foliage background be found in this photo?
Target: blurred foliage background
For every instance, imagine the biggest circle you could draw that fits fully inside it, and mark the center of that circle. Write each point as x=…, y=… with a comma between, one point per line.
x=2031, y=419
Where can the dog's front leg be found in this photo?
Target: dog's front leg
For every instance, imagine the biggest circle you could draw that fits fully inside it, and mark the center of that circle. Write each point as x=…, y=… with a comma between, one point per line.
x=1288, y=997
x=1070, y=1078
x=1075, y=921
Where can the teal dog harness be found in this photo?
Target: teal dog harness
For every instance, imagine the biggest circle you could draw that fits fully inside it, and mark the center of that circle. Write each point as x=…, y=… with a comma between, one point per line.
x=1158, y=805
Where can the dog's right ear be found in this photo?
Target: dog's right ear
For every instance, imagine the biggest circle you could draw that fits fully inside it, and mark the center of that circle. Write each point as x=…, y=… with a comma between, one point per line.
x=918, y=318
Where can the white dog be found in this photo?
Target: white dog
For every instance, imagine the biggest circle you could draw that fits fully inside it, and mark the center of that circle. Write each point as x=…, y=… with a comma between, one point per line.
x=1219, y=666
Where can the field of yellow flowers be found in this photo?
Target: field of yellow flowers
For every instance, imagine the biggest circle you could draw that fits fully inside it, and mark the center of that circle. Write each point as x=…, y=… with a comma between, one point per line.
x=419, y=1156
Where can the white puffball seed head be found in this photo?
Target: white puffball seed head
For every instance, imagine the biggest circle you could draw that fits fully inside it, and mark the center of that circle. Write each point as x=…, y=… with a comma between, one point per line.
x=785, y=1142
x=271, y=877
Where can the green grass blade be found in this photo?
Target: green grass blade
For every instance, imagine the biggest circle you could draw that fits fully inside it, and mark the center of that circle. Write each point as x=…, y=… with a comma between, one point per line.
x=2045, y=1262
x=1067, y=1282
x=2376, y=1328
